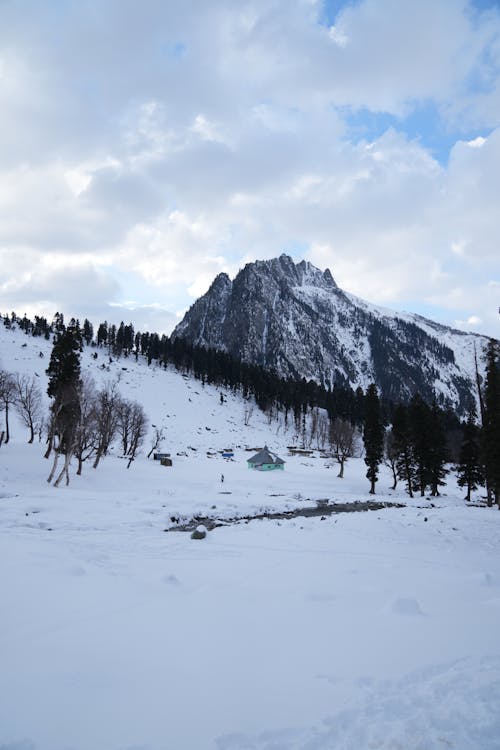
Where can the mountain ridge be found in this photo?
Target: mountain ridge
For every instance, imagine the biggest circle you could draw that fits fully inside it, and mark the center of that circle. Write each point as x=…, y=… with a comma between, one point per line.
x=294, y=319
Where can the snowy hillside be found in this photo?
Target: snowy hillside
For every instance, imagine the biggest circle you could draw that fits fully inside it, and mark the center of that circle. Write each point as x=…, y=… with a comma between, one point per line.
x=346, y=631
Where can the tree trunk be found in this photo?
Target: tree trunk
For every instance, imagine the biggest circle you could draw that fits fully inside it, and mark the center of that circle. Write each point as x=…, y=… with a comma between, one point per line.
x=408, y=475
x=50, y=444
x=54, y=466
x=394, y=477
x=7, y=432
x=64, y=470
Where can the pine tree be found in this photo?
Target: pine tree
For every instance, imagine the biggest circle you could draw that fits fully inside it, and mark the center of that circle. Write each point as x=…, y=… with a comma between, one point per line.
x=491, y=422
x=102, y=334
x=438, y=451
x=58, y=323
x=373, y=435
x=421, y=437
x=469, y=468
x=402, y=447
x=64, y=388
x=119, y=339
x=88, y=332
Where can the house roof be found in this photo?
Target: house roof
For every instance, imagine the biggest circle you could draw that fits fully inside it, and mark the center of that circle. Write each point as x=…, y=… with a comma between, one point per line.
x=265, y=456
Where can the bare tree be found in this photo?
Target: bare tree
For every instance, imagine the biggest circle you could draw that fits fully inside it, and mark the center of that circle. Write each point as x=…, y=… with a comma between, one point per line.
x=124, y=420
x=319, y=425
x=106, y=419
x=247, y=413
x=313, y=425
x=343, y=441
x=138, y=430
x=7, y=397
x=157, y=439
x=85, y=438
x=391, y=456
x=28, y=402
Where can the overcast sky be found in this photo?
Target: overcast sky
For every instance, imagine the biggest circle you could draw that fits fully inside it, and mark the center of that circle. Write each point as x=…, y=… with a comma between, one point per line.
x=147, y=146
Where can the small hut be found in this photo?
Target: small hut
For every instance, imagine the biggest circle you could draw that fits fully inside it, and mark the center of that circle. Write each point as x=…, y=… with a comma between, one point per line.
x=265, y=460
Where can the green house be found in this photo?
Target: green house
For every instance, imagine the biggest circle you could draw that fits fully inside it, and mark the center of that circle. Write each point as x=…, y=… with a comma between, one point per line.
x=265, y=460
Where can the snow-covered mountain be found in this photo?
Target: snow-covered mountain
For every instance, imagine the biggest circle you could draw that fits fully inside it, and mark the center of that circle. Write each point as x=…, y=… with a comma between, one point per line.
x=293, y=318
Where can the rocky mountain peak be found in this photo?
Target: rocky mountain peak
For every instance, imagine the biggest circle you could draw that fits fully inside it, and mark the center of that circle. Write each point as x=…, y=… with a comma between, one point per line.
x=293, y=318
x=221, y=283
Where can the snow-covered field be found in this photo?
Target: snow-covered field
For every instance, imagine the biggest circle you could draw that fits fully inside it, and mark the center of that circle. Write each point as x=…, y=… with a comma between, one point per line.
x=359, y=631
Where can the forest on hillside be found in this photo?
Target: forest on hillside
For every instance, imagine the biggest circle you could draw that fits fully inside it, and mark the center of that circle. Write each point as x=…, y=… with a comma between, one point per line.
x=418, y=440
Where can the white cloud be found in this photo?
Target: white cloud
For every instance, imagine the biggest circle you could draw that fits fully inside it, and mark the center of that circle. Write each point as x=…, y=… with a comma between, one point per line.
x=197, y=137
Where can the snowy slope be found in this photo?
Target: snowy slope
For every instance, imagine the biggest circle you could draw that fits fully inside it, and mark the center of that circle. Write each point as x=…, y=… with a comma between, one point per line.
x=359, y=631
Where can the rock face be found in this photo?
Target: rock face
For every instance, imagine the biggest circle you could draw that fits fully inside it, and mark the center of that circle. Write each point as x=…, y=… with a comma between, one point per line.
x=293, y=318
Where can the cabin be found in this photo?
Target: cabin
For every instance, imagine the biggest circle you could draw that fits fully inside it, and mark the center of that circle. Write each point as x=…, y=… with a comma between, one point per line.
x=265, y=460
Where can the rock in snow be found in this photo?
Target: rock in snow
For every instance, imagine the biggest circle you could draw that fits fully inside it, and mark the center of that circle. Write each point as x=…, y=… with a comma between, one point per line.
x=200, y=532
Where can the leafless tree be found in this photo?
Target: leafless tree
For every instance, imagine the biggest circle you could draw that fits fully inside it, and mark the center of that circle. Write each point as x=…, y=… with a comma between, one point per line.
x=85, y=438
x=343, y=441
x=7, y=398
x=123, y=422
x=138, y=430
x=157, y=439
x=247, y=413
x=390, y=457
x=319, y=425
x=106, y=419
x=313, y=425
x=28, y=402
x=131, y=420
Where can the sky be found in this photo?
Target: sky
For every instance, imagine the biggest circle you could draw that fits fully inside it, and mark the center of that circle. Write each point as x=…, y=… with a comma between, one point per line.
x=147, y=146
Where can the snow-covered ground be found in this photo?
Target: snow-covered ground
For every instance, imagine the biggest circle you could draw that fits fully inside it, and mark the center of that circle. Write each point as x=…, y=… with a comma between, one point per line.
x=359, y=631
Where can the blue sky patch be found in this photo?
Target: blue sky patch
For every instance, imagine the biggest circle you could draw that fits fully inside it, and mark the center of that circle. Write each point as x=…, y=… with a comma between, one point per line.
x=423, y=124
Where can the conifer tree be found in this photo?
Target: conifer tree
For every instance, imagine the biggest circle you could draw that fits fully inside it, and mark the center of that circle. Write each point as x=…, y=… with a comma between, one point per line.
x=373, y=435
x=437, y=452
x=421, y=437
x=63, y=388
x=102, y=334
x=491, y=422
x=88, y=331
x=470, y=473
x=402, y=447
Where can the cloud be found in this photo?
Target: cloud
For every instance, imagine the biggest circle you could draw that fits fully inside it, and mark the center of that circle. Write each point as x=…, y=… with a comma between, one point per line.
x=198, y=136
